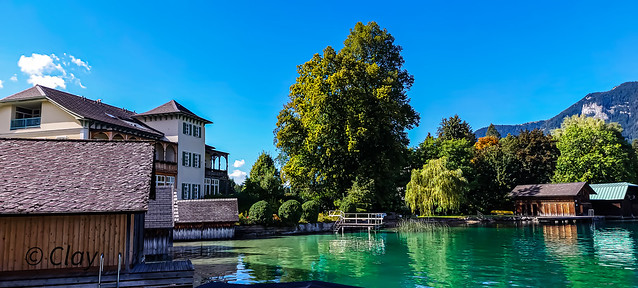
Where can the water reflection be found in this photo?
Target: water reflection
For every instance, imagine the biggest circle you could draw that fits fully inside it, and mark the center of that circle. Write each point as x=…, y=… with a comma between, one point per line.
x=614, y=247
x=532, y=256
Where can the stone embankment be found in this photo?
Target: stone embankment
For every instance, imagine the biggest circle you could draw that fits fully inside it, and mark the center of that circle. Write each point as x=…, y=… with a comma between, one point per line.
x=259, y=231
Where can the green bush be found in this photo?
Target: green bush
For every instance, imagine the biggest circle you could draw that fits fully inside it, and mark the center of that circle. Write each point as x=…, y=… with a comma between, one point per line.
x=348, y=206
x=290, y=212
x=310, y=211
x=261, y=213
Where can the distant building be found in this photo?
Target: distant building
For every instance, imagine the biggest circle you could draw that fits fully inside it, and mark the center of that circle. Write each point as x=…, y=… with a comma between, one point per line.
x=564, y=199
x=615, y=199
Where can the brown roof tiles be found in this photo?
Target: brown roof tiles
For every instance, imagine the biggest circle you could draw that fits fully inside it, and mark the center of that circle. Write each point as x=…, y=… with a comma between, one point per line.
x=207, y=211
x=550, y=190
x=74, y=176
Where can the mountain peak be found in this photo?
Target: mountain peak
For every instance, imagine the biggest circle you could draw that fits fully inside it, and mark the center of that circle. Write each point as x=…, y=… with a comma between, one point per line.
x=620, y=104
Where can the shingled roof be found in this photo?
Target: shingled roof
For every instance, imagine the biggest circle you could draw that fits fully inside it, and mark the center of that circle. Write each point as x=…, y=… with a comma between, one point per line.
x=74, y=176
x=172, y=107
x=207, y=211
x=82, y=107
x=550, y=190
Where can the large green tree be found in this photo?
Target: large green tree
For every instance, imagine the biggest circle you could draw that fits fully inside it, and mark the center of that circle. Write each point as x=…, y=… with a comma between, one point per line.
x=264, y=182
x=347, y=118
x=593, y=151
x=536, y=153
x=436, y=188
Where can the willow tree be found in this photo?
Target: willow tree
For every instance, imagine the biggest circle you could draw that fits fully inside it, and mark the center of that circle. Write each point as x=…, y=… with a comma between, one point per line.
x=436, y=188
x=346, y=119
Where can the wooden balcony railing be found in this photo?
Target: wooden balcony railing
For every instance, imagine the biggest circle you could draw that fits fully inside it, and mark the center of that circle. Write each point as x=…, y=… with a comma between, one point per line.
x=165, y=167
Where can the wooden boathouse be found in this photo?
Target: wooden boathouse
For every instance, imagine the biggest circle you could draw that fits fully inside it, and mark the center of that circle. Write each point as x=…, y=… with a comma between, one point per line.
x=615, y=200
x=563, y=199
x=72, y=214
x=195, y=220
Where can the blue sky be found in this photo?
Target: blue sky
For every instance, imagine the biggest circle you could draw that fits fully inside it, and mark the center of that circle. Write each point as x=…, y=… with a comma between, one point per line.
x=502, y=62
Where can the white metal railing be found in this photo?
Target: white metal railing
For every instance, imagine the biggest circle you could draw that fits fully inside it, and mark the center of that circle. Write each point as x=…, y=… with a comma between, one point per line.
x=356, y=219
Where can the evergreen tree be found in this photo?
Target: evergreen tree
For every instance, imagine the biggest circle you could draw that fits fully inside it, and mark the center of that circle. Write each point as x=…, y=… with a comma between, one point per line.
x=455, y=128
x=491, y=131
x=264, y=182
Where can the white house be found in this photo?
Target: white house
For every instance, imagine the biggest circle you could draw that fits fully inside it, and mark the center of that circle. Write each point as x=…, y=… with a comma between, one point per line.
x=182, y=158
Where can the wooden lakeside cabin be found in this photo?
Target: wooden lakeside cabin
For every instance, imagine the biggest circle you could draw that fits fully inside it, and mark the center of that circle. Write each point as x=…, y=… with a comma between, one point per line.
x=615, y=199
x=541, y=200
x=73, y=211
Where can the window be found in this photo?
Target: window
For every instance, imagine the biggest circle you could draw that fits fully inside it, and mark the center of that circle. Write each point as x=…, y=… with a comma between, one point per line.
x=195, y=191
x=27, y=116
x=186, y=158
x=186, y=193
x=207, y=186
x=187, y=128
x=215, y=186
x=170, y=181
x=197, y=131
x=160, y=180
x=197, y=160
x=164, y=181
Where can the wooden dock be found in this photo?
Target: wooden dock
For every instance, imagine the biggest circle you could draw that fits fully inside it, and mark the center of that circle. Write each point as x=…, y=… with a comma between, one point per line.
x=157, y=274
x=357, y=220
x=567, y=219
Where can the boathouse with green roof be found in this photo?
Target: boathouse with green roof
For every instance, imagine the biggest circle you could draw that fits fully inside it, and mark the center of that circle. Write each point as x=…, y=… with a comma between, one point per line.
x=615, y=199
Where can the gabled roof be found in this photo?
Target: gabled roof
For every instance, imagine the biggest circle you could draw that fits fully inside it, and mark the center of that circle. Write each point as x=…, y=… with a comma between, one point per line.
x=550, y=190
x=207, y=211
x=611, y=191
x=172, y=107
x=74, y=176
x=82, y=107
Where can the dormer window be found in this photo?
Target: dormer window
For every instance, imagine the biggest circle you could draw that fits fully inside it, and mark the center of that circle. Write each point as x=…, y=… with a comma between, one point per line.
x=26, y=116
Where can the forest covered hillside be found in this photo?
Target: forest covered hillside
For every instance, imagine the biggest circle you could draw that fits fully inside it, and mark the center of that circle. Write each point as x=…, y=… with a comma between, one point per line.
x=619, y=104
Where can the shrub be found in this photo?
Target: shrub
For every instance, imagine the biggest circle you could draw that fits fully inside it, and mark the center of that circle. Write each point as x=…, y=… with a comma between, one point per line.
x=310, y=211
x=261, y=213
x=290, y=212
x=348, y=206
x=243, y=220
x=325, y=218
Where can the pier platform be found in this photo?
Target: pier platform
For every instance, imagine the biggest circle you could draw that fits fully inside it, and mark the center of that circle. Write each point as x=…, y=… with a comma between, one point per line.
x=155, y=274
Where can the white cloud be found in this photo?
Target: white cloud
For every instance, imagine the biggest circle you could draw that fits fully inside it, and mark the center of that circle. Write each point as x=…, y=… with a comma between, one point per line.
x=1, y=86
x=38, y=64
x=80, y=63
x=47, y=80
x=239, y=163
x=47, y=70
x=14, y=78
x=238, y=176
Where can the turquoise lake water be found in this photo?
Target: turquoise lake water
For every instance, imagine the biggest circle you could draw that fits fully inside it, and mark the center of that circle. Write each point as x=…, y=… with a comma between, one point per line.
x=588, y=255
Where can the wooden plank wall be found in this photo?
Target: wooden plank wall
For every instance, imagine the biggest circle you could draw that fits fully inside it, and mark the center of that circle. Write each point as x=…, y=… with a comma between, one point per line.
x=62, y=241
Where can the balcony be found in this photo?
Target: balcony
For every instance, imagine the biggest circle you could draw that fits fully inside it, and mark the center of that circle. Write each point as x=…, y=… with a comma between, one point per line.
x=166, y=167
x=215, y=173
x=25, y=123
